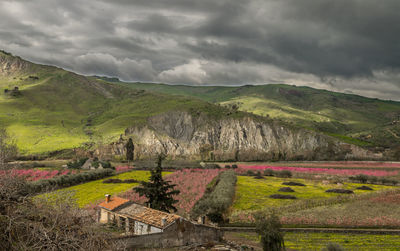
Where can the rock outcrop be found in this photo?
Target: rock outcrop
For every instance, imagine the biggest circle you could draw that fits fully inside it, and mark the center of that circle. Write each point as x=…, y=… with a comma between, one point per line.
x=184, y=136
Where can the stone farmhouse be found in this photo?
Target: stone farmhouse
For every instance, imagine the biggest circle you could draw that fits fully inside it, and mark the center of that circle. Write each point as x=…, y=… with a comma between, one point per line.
x=146, y=227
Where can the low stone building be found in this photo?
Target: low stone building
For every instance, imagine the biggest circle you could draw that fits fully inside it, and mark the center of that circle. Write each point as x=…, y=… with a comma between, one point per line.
x=146, y=227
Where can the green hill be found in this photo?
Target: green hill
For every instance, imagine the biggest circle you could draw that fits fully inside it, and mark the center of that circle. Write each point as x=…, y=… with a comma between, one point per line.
x=352, y=118
x=54, y=109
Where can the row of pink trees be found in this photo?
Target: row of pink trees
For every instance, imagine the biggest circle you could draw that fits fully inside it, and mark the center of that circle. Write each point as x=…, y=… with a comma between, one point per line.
x=243, y=169
x=37, y=174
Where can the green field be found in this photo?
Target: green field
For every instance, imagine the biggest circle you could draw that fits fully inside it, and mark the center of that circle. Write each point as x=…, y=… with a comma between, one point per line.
x=317, y=241
x=94, y=191
x=253, y=194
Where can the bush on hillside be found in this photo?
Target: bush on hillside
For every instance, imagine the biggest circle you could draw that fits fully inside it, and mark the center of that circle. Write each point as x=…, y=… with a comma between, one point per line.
x=338, y=190
x=364, y=188
x=269, y=172
x=234, y=166
x=258, y=175
x=283, y=196
x=250, y=173
x=283, y=174
x=120, y=181
x=77, y=163
x=286, y=189
x=293, y=183
x=211, y=166
x=362, y=178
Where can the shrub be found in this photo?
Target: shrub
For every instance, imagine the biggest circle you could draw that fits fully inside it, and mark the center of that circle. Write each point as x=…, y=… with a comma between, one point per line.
x=258, y=175
x=215, y=203
x=283, y=196
x=112, y=181
x=283, y=174
x=269, y=229
x=372, y=179
x=269, y=172
x=121, y=181
x=333, y=247
x=250, y=173
x=227, y=166
x=364, y=188
x=361, y=178
x=345, y=191
x=286, y=189
x=234, y=166
x=77, y=163
x=293, y=183
x=211, y=166
x=68, y=180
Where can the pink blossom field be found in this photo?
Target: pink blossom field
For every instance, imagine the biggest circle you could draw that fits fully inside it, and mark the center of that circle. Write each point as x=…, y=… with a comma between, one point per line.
x=38, y=174
x=332, y=171
x=191, y=183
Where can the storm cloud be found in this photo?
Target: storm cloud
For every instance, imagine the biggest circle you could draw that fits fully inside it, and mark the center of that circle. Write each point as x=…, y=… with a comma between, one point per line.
x=342, y=45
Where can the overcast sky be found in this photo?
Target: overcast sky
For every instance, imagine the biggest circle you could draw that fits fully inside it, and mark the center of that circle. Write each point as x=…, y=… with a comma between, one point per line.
x=343, y=45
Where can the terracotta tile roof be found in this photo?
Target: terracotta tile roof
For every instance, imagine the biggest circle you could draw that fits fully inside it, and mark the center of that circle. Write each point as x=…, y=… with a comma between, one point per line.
x=113, y=203
x=149, y=216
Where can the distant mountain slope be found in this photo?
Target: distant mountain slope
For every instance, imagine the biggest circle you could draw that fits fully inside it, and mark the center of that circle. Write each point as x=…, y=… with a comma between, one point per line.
x=49, y=109
x=56, y=109
x=352, y=118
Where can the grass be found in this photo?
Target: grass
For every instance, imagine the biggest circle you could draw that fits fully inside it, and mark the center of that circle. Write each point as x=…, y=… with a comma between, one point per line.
x=344, y=116
x=318, y=241
x=379, y=210
x=253, y=194
x=62, y=110
x=93, y=191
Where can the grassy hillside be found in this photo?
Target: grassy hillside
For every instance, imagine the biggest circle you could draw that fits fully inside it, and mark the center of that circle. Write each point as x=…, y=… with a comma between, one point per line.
x=355, y=119
x=56, y=109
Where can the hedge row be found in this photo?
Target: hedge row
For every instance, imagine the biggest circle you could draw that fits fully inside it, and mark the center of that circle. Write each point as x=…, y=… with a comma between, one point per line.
x=215, y=203
x=69, y=180
x=362, y=178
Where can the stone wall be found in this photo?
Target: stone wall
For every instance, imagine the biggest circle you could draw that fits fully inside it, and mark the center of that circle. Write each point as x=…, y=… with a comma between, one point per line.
x=178, y=234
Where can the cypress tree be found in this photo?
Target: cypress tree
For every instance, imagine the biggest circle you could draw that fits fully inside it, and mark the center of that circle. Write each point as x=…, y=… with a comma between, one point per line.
x=130, y=148
x=159, y=193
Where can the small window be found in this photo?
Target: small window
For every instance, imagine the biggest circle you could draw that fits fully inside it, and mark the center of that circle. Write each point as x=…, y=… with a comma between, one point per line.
x=148, y=228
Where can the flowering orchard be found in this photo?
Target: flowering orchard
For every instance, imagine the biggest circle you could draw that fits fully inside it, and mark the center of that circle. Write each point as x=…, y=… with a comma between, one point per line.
x=37, y=174
x=191, y=183
x=346, y=172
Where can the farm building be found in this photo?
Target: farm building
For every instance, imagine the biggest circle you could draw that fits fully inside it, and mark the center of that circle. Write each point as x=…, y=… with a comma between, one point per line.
x=146, y=227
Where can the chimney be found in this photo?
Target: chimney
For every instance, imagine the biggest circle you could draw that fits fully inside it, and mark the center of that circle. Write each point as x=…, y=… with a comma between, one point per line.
x=163, y=222
x=108, y=198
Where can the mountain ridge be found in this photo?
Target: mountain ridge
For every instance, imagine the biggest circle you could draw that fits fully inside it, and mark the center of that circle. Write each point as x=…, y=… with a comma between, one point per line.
x=58, y=110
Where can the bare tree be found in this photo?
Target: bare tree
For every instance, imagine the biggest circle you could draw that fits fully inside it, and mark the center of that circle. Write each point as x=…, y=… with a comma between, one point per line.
x=53, y=223
x=8, y=148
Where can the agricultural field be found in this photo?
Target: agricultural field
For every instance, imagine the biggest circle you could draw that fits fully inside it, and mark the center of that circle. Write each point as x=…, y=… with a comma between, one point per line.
x=376, y=210
x=253, y=194
x=94, y=191
x=40, y=173
x=192, y=185
x=378, y=206
x=342, y=170
x=317, y=241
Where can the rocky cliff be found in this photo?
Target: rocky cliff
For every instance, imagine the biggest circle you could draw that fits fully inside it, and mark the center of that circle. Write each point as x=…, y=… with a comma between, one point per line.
x=182, y=135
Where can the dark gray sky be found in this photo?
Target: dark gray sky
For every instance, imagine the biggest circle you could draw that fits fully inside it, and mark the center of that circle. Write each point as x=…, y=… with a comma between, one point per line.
x=342, y=45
